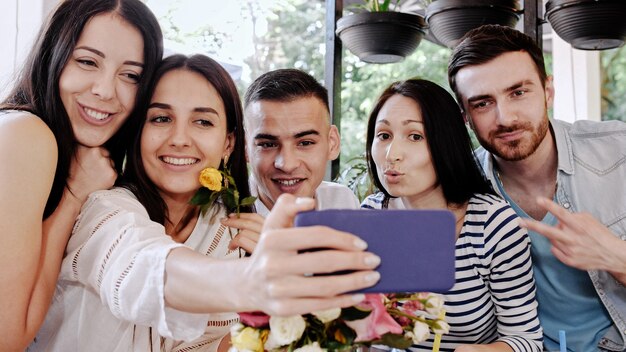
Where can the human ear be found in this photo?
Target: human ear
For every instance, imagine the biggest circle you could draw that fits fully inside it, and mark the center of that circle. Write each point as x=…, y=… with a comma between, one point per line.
x=334, y=143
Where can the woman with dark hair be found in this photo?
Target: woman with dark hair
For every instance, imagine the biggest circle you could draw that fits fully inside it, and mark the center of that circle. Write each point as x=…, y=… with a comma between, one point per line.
x=419, y=155
x=144, y=269
x=62, y=133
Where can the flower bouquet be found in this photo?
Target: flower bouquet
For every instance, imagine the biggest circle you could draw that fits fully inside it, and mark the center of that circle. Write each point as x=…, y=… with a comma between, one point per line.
x=394, y=320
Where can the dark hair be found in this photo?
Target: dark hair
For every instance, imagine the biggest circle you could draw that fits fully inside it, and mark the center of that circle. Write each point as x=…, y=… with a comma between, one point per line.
x=37, y=87
x=448, y=140
x=135, y=178
x=486, y=43
x=285, y=85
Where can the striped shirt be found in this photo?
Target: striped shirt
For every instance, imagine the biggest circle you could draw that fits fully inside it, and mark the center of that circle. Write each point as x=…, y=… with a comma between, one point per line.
x=494, y=295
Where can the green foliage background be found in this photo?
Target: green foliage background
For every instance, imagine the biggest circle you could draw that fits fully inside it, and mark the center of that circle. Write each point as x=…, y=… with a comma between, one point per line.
x=296, y=38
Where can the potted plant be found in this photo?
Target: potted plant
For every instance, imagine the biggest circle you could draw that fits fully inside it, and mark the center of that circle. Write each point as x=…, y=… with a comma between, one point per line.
x=589, y=24
x=380, y=34
x=449, y=20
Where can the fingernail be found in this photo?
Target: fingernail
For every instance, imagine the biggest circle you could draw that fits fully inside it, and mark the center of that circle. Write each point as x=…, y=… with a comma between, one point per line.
x=360, y=244
x=359, y=297
x=304, y=200
x=372, y=277
x=521, y=223
x=372, y=260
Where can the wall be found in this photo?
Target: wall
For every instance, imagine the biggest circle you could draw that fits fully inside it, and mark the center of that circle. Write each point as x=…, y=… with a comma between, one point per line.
x=20, y=21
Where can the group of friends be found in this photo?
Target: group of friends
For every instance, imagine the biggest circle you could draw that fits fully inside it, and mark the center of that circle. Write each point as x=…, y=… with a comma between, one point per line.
x=101, y=251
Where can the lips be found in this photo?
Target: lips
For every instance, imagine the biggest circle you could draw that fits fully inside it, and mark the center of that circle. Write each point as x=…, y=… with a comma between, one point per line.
x=393, y=176
x=510, y=136
x=93, y=116
x=179, y=161
x=288, y=185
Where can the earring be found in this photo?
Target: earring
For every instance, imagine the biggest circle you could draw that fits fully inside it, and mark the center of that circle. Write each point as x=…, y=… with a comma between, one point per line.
x=225, y=160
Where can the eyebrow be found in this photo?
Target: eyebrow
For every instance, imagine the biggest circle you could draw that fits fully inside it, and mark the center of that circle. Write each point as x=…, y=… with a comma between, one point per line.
x=164, y=106
x=508, y=89
x=272, y=137
x=404, y=122
x=101, y=54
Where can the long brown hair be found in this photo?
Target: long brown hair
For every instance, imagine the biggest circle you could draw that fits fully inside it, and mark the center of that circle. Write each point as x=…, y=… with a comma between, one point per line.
x=37, y=87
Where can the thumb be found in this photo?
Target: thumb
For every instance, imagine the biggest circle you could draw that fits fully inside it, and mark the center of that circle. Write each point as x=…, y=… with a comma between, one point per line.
x=285, y=210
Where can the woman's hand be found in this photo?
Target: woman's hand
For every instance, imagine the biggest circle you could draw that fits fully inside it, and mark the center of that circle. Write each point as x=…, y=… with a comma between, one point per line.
x=280, y=272
x=91, y=170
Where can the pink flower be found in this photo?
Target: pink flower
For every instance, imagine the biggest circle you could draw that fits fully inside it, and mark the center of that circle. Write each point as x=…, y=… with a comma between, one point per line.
x=377, y=323
x=255, y=319
x=411, y=306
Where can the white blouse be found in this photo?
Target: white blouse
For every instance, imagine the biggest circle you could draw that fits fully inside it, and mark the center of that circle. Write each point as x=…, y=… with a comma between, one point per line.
x=109, y=295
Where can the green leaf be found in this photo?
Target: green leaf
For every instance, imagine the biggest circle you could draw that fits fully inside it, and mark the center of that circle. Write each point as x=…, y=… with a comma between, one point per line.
x=248, y=201
x=384, y=6
x=354, y=313
x=394, y=340
x=236, y=196
x=201, y=197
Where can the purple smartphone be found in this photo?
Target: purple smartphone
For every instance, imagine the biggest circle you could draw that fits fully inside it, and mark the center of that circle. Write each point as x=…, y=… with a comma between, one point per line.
x=416, y=246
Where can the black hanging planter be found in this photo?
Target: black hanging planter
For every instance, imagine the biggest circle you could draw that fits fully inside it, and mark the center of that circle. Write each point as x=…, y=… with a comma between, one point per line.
x=449, y=20
x=381, y=37
x=589, y=24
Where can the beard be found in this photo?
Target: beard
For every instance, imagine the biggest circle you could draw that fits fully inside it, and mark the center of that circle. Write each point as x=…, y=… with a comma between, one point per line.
x=518, y=149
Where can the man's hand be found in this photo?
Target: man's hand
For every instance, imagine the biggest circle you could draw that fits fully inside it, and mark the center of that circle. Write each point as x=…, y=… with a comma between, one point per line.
x=581, y=241
x=249, y=225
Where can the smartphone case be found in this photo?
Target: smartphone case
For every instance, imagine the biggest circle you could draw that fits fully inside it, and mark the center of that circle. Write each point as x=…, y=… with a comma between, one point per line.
x=416, y=246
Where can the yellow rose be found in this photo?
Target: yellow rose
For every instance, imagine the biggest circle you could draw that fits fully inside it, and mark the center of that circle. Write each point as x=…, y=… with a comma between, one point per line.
x=249, y=339
x=211, y=179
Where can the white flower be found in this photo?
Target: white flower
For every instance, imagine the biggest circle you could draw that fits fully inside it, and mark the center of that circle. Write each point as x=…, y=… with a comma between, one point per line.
x=286, y=330
x=236, y=329
x=313, y=347
x=271, y=343
x=434, y=304
x=327, y=315
x=441, y=327
x=421, y=332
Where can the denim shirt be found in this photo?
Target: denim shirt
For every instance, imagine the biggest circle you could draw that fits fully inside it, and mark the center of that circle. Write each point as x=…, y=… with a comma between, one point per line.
x=592, y=178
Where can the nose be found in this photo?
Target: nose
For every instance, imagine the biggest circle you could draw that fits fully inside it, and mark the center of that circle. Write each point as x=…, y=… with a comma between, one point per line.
x=286, y=160
x=506, y=114
x=394, y=153
x=179, y=134
x=104, y=86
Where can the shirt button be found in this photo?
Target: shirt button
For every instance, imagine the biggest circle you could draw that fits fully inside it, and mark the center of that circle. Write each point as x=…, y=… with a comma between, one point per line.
x=566, y=205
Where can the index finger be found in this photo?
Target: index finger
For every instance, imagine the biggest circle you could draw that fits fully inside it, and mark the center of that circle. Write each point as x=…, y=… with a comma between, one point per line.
x=564, y=216
x=311, y=237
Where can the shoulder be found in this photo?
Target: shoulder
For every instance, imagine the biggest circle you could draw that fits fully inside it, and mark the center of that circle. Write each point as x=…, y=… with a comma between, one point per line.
x=28, y=152
x=333, y=195
x=25, y=130
x=330, y=187
x=592, y=131
x=490, y=211
x=117, y=198
x=373, y=201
